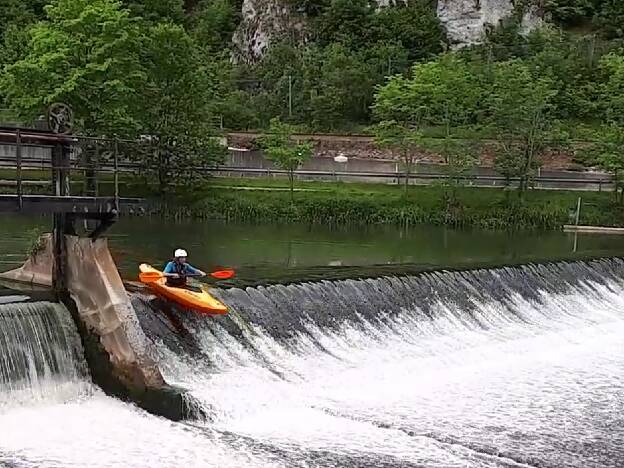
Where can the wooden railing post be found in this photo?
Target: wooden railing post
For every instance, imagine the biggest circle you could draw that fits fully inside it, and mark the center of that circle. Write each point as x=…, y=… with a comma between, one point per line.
x=116, y=173
x=18, y=156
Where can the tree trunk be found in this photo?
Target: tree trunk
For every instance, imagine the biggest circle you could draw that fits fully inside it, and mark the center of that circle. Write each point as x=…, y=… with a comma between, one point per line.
x=291, y=177
x=163, y=164
x=408, y=171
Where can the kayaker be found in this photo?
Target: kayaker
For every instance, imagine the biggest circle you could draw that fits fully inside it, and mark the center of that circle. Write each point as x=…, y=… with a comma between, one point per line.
x=178, y=270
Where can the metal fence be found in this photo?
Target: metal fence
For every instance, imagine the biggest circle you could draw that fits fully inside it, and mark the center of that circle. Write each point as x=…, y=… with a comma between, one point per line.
x=96, y=160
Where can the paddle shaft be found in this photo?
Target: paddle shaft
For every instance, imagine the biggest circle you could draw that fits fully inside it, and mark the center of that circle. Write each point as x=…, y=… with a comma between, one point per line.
x=156, y=275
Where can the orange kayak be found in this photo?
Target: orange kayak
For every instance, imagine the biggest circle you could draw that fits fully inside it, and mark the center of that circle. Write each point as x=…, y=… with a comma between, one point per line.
x=201, y=302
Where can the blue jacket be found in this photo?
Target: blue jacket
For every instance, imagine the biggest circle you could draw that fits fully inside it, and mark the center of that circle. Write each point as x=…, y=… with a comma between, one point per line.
x=187, y=269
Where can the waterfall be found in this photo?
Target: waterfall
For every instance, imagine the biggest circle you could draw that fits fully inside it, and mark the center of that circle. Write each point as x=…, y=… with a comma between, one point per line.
x=502, y=367
x=40, y=354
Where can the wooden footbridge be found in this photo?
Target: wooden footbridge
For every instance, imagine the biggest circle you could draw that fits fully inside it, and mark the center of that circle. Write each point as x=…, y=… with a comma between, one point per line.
x=36, y=169
x=71, y=178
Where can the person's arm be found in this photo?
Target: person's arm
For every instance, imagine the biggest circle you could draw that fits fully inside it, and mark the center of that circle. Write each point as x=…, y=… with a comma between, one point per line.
x=191, y=270
x=169, y=271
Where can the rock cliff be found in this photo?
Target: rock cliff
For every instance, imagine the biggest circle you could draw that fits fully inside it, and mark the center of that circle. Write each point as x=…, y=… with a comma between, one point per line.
x=265, y=20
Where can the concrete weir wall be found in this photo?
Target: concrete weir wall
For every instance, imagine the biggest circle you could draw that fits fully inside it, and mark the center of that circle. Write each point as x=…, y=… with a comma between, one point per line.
x=120, y=356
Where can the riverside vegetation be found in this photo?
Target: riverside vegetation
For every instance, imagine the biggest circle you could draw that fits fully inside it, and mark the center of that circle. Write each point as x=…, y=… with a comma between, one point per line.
x=164, y=69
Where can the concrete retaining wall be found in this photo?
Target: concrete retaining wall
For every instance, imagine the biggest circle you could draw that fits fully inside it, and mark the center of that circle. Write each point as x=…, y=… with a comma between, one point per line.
x=565, y=179
x=120, y=357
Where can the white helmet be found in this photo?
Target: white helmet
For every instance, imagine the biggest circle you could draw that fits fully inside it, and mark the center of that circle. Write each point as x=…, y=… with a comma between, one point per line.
x=180, y=253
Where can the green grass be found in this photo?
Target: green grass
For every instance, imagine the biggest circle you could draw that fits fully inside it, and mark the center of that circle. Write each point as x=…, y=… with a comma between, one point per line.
x=367, y=204
x=339, y=203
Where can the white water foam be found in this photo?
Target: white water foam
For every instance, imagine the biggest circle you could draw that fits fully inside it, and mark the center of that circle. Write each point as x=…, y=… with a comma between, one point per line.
x=531, y=383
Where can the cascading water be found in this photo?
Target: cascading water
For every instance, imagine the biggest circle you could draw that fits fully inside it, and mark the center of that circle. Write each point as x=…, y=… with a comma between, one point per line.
x=511, y=367
x=504, y=367
x=40, y=354
x=52, y=416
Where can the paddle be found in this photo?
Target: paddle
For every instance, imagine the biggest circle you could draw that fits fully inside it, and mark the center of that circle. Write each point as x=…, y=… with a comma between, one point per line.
x=152, y=276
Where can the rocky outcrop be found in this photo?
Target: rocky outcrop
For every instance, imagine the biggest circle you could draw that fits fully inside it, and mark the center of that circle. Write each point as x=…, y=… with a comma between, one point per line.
x=265, y=21
x=466, y=20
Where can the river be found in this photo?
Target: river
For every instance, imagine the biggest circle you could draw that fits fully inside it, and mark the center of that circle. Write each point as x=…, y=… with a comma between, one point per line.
x=269, y=253
x=517, y=366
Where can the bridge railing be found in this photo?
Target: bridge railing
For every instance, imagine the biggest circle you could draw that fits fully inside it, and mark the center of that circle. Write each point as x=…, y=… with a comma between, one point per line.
x=27, y=157
x=36, y=163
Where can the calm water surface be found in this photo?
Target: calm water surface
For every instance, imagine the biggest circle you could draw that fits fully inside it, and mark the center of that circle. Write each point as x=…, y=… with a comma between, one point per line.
x=270, y=251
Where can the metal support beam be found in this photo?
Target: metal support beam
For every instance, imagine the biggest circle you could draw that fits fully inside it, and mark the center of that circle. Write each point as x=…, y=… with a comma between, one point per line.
x=59, y=272
x=18, y=157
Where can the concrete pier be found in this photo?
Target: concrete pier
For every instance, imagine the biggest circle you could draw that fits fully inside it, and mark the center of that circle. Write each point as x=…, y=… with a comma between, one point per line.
x=119, y=355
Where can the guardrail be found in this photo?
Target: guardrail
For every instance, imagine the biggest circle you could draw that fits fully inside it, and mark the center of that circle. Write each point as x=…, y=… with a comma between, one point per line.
x=129, y=167
x=93, y=156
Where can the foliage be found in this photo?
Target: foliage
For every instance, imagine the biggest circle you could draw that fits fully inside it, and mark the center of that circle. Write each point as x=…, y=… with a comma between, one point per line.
x=85, y=54
x=442, y=92
x=342, y=87
x=570, y=12
x=328, y=87
x=606, y=152
x=401, y=139
x=346, y=22
x=460, y=159
x=156, y=10
x=350, y=204
x=520, y=109
x=610, y=19
x=285, y=153
x=214, y=23
x=122, y=76
x=19, y=12
x=612, y=99
x=329, y=83
x=175, y=111
x=413, y=25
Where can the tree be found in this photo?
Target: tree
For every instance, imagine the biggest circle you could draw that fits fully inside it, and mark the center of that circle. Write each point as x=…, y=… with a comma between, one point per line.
x=402, y=140
x=570, y=12
x=340, y=85
x=156, y=10
x=610, y=19
x=448, y=88
x=521, y=113
x=460, y=157
x=286, y=154
x=176, y=113
x=19, y=12
x=607, y=152
x=347, y=22
x=612, y=99
x=413, y=24
x=214, y=22
x=85, y=54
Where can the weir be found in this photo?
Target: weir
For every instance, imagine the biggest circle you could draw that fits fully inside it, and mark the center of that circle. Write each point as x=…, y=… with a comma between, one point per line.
x=466, y=368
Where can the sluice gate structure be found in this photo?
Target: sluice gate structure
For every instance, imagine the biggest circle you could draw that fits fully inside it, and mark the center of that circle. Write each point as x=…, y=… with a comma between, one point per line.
x=74, y=259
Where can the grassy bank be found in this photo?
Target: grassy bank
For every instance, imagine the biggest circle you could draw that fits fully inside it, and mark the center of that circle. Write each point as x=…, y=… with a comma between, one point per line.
x=268, y=200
